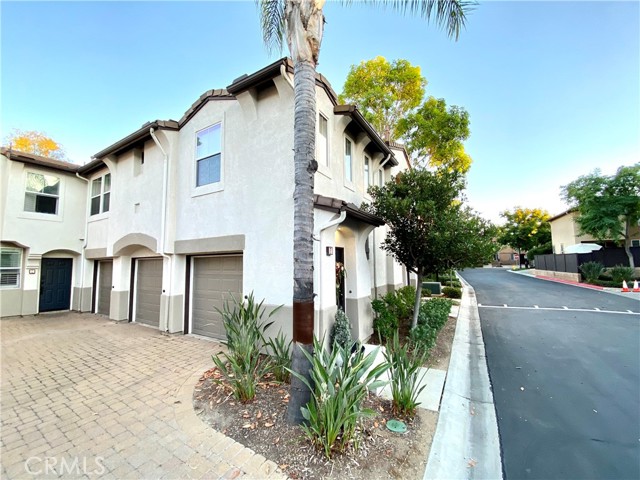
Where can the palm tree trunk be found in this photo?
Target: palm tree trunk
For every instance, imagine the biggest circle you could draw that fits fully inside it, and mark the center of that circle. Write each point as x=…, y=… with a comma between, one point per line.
x=305, y=167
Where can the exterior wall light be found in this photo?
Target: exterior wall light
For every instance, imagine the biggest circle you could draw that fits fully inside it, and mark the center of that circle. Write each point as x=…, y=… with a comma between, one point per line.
x=329, y=251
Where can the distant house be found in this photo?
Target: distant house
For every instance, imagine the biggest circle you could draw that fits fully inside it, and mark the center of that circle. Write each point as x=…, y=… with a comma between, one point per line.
x=166, y=222
x=565, y=232
x=507, y=256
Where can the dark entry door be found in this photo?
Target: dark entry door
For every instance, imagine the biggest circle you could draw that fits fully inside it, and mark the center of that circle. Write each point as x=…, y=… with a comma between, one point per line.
x=55, y=284
x=340, y=274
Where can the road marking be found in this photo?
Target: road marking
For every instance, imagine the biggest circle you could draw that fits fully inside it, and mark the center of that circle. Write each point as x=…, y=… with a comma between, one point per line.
x=560, y=309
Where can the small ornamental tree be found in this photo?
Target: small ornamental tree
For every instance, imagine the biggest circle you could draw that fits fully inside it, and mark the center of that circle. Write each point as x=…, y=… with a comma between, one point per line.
x=608, y=206
x=414, y=207
x=525, y=229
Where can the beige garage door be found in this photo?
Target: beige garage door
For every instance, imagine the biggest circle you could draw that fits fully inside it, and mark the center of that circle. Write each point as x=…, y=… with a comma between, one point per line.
x=214, y=279
x=148, y=291
x=105, y=275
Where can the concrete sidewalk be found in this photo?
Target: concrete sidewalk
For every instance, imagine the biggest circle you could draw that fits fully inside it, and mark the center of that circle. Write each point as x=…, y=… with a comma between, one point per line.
x=466, y=443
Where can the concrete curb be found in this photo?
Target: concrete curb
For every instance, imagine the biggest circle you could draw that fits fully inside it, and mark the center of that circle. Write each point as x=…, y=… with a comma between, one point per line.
x=466, y=444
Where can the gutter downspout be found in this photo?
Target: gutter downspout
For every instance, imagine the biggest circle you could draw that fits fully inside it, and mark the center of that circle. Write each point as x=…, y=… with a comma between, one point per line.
x=375, y=269
x=316, y=236
x=86, y=240
x=163, y=226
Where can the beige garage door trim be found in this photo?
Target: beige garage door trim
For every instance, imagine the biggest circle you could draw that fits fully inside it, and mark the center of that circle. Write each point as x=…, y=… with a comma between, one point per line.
x=148, y=291
x=105, y=279
x=213, y=279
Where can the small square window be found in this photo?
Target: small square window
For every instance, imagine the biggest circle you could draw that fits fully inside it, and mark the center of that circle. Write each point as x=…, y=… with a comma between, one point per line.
x=42, y=194
x=10, y=267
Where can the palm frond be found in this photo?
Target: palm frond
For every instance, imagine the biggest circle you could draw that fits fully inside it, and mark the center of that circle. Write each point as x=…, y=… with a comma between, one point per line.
x=448, y=14
x=272, y=23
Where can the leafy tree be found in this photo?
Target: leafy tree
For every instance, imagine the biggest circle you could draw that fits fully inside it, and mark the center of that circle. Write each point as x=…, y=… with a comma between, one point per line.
x=384, y=92
x=429, y=229
x=301, y=23
x=38, y=143
x=434, y=133
x=525, y=229
x=608, y=206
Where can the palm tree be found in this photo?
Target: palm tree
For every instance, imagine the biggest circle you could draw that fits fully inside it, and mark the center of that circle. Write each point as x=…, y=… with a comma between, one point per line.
x=301, y=22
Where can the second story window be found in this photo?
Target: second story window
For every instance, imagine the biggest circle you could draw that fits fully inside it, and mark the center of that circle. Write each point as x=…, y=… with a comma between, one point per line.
x=367, y=178
x=348, y=170
x=10, y=266
x=322, y=145
x=208, y=155
x=101, y=194
x=42, y=194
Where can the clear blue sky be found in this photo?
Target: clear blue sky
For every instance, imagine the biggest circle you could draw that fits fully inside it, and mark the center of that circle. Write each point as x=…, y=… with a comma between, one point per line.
x=552, y=88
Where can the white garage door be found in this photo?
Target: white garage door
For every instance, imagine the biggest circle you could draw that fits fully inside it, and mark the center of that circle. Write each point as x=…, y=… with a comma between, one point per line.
x=214, y=280
x=148, y=291
x=105, y=274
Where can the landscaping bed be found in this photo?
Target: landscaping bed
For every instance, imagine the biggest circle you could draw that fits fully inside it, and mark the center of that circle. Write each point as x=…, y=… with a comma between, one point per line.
x=261, y=426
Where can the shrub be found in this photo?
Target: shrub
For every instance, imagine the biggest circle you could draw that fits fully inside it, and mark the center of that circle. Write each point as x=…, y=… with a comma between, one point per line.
x=341, y=330
x=339, y=387
x=280, y=351
x=591, y=270
x=452, y=292
x=242, y=366
x=385, y=322
x=436, y=312
x=423, y=336
x=392, y=309
x=619, y=273
x=404, y=371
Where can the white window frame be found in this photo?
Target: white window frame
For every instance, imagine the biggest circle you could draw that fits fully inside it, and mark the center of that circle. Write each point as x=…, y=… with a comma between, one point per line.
x=57, y=196
x=323, y=162
x=348, y=173
x=17, y=268
x=214, y=186
x=367, y=173
x=101, y=195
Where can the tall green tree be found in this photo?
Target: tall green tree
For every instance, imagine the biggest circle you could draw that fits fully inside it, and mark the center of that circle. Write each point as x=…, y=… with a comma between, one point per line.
x=301, y=23
x=435, y=134
x=525, y=229
x=385, y=92
x=423, y=214
x=38, y=143
x=608, y=206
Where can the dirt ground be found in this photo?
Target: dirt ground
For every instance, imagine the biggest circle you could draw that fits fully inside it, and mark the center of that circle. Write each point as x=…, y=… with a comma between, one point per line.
x=261, y=426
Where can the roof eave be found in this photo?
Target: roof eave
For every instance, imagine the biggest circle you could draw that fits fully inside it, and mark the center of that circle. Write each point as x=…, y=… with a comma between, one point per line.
x=141, y=134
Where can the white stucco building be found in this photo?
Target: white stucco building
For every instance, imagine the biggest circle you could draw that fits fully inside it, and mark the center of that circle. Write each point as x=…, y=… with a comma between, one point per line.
x=181, y=213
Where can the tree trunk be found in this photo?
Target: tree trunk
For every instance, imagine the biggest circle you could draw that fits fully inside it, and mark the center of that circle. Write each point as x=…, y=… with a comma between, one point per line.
x=418, y=302
x=627, y=243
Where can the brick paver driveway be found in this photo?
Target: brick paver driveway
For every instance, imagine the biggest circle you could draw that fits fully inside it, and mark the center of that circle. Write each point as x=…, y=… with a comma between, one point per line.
x=83, y=396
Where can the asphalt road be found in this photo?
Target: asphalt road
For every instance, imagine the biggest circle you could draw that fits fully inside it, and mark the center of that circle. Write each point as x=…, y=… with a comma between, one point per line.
x=565, y=376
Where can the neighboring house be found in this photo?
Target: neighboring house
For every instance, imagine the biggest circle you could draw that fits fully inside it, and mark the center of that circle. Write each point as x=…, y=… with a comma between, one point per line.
x=507, y=256
x=179, y=213
x=565, y=232
x=42, y=222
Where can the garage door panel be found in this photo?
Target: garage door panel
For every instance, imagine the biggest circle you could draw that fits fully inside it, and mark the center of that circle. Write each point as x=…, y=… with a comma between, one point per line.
x=148, y=291
x=214, y=280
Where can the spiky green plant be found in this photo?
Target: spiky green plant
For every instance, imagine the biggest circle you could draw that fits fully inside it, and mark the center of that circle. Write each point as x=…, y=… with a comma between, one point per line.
x=280, y=351
x=339, y=384
x=341, y=330
x=404, y=371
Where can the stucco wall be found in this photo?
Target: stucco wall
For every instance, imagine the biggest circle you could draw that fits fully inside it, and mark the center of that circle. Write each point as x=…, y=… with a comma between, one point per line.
x=41, y=235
